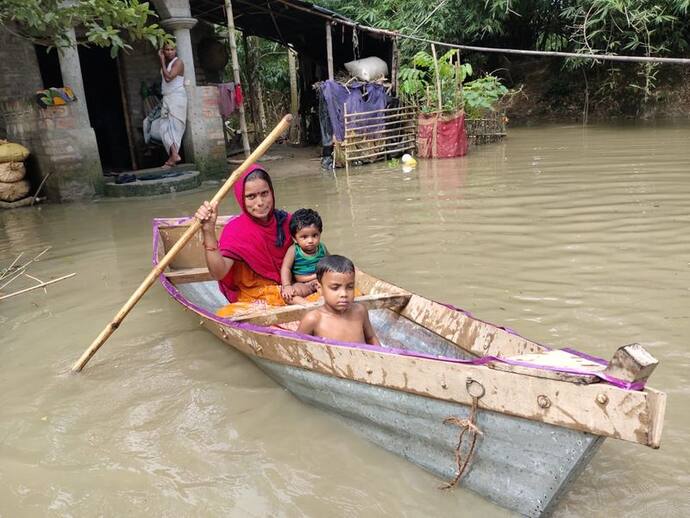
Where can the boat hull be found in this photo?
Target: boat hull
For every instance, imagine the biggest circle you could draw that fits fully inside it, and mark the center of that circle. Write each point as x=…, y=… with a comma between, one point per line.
x=519, y=464
x=522, y=465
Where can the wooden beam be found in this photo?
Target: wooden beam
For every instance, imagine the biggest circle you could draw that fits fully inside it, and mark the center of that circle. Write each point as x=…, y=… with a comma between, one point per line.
x=127, y=114
x=395, y=81
x=295, y=312
x=236, y=74
x=657, y=404
x=553, y=358
x=631, y=363
x=329, y=51
x=294, y=99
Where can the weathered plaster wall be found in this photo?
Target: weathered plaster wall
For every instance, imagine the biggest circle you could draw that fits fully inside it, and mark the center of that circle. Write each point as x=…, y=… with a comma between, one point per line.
x=19, y=72
x=59, y=143
x=60, y=147
x=206, y=123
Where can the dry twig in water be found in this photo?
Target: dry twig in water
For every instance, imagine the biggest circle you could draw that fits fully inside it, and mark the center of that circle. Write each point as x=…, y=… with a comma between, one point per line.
x=20, y=269
x=43, y=284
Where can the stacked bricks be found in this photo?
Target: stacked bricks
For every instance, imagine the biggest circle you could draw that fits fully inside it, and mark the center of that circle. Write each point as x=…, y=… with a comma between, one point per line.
x=59, y=148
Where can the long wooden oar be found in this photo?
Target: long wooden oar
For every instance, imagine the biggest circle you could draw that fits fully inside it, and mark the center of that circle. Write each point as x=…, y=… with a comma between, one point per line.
x=281, y=128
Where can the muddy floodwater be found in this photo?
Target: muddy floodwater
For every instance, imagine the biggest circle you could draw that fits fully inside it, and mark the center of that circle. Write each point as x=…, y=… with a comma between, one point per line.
x=571, y=236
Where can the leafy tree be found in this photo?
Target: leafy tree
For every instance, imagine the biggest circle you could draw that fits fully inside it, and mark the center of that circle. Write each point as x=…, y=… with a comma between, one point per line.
x=634, y=27
x=105, y=23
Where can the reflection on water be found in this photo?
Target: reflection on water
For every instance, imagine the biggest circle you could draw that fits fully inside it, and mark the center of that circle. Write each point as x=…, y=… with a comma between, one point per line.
x=571, y=236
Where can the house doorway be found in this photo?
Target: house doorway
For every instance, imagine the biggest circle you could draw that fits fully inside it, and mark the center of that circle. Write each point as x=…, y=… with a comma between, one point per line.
x=104, y=101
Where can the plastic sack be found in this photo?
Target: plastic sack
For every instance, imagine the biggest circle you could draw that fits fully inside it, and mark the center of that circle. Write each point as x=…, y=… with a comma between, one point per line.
x=12, y=172
x=367, y=69
x=10, y=152
x=441, y=136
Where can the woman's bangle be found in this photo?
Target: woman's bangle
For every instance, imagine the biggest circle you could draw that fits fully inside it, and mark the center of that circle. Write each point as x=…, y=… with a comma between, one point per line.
x=210, y=248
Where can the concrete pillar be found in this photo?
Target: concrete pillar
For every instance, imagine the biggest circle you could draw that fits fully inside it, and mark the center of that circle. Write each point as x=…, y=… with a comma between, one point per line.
x=203, y=141
x=180, y=28
x=70, y=67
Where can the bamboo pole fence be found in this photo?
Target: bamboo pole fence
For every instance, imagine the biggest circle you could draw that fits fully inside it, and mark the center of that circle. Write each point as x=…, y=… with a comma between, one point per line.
x=378, y=134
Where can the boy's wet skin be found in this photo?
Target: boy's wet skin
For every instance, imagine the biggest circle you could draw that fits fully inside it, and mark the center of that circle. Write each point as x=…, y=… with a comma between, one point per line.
x=340, y=318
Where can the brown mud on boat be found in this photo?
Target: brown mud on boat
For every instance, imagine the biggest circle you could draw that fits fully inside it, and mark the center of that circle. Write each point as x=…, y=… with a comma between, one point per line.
x=528, y=417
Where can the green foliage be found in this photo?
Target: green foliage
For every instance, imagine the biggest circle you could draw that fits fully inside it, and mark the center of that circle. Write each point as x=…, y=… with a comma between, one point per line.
x=418, y=85
x=418, y=82
x=637, y=27
x=106, y=23
x=634, y=27
x=482, y=94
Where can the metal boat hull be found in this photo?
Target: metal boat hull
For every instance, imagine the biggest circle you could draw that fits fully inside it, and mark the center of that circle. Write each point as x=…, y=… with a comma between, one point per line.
x=519, y=464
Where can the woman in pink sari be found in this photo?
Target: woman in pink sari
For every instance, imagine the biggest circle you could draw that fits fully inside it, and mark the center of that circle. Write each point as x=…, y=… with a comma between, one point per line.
x=246, y=260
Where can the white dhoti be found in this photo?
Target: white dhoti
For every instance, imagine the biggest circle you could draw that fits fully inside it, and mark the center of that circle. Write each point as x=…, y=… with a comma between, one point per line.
x=173, y=118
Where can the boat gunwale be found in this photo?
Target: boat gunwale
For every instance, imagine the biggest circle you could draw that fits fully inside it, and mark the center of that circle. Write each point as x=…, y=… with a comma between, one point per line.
x=652, y=436
x=256, y=328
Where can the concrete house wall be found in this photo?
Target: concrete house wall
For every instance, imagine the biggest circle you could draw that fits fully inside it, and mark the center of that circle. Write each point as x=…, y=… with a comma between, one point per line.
x=62, y=140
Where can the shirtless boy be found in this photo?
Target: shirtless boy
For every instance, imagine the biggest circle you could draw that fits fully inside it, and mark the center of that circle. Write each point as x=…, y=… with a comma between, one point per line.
x=340, y=318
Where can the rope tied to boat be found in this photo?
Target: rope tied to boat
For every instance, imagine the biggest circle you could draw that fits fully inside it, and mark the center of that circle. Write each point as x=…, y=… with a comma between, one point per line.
x=467, y=426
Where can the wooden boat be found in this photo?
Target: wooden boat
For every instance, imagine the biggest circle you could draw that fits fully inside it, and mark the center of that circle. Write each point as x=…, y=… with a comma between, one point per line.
x=542, y=413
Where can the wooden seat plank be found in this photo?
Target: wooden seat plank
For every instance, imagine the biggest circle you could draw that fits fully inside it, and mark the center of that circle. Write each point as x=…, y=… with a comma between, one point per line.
x=279, y=315
x=553, y=358
x=185, y=275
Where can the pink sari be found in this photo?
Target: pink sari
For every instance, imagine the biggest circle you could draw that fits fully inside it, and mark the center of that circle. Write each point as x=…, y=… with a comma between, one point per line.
x=254, y=243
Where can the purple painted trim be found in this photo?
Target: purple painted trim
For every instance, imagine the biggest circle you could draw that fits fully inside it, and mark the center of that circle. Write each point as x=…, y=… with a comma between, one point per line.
x=175, y=293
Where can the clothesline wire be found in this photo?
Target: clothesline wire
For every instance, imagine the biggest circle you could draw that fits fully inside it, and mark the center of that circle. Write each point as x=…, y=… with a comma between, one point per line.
x=393, y=34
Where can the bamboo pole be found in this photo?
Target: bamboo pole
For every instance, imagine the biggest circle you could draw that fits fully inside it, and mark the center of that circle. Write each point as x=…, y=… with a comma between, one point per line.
x=329, y=51
x=294, y=100
x=236, y=73
x=376, y=125
x=353, y=117
x=194, y=227
x=395, y=63
x=406, y=125
x=381, y=110
x=37, y=286
x=378, y=139
x=383, y=147
x=386, y=152
x=347, y=158
x=438, y=78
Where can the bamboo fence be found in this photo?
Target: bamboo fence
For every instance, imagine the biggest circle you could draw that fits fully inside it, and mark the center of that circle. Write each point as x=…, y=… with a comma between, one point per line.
x=378, y=134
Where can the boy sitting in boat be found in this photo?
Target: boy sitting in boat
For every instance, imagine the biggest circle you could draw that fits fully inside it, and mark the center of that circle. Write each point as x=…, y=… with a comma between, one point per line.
x=303, y=255
x=340, y=318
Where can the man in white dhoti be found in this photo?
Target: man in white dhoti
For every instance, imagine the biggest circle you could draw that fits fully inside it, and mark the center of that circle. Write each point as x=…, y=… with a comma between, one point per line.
x=174, y=109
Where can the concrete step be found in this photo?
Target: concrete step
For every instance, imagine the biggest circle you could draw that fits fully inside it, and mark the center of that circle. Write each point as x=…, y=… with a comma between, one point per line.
x=188, y=179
